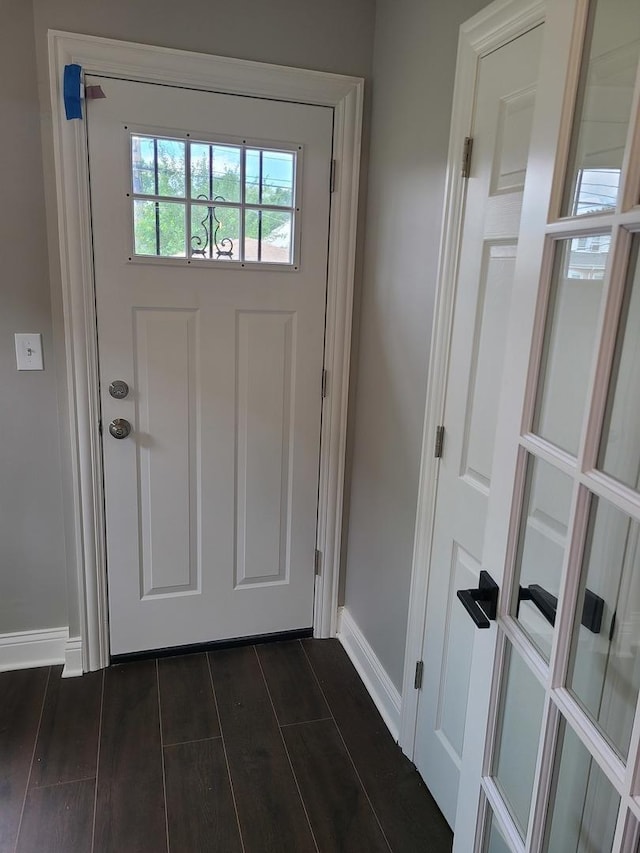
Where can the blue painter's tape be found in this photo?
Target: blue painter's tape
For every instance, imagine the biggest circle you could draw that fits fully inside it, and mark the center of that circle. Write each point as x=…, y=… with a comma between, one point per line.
x=71, y=91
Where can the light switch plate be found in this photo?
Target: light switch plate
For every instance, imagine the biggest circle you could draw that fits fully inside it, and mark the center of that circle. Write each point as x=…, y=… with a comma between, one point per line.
x=29, y=351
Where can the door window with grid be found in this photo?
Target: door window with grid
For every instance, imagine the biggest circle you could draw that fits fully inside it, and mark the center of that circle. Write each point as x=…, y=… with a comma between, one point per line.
x=213, y=201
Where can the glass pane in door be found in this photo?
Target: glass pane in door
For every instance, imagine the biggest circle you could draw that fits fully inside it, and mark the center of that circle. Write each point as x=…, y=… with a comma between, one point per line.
x=584, y=805
x=620, y=448
x=610, y=62
x=572, y=316
x=215, y=171
x=215, y=232
x=495, y=841
x=520, y=719
x=541, y=548
x=605, y=665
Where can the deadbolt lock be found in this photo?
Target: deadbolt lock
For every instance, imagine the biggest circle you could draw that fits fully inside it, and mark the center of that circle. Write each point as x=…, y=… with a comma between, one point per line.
x=119, y=428
x=118, y=389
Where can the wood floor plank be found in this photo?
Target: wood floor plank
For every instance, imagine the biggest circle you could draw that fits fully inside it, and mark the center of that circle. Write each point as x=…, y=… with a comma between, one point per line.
x=340, y=814
x=408, y=813
x=271, y=813
x=186, y=699
x=292, y=684
x=243, y=701
x=58, y=819
x=130, y=812
x=67, y=748
x=200, y=807
x=22, y=694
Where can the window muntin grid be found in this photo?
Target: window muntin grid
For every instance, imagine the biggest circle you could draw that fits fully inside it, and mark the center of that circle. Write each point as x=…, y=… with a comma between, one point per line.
x=554, y=674
x=214, y=201
x=562, y=706
x=589, y=484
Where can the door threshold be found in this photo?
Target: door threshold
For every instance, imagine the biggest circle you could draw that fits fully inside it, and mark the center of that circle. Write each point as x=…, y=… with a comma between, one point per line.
x=214, y=645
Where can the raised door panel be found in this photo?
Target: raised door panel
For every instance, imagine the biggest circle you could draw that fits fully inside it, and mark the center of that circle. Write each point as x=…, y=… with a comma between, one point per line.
x=266, y=344
x=168, y=449
x=486, y=363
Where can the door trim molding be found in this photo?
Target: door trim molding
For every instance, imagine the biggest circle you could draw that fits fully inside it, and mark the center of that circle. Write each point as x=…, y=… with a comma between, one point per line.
x=210, y=73
x=500, y=22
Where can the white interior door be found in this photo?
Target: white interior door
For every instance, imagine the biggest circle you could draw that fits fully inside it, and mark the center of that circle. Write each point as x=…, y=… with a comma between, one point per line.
x=210, y=225
x=552, y=748
x=503, y=113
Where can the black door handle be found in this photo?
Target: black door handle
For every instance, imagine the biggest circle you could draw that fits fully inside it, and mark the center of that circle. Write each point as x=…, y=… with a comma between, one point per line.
x=547, y=604
x=481, y=603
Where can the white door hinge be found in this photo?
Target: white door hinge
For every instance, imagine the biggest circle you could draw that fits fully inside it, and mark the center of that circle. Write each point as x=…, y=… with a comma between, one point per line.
x=439, y=443
x=317, y=557
x=324, y=383
x=417, y=681
x=332, y=179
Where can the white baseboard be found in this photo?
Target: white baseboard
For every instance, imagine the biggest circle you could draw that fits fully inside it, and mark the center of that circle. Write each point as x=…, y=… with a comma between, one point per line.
x=26, y=649
x=383, y=691
x=72, y=658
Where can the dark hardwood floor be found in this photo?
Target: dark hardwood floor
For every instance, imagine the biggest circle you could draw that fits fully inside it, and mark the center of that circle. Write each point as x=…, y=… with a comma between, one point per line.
x=275, y=748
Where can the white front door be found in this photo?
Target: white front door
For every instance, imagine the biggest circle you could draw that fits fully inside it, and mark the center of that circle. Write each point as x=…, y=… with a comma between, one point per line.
x=552, y=741
x=210, y=226
x=504, y=105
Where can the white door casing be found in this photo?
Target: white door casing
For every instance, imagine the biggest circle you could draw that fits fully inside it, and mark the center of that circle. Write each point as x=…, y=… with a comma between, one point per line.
x=211, y=501
x=161, y=65
x=504, y=103
x=584, y=793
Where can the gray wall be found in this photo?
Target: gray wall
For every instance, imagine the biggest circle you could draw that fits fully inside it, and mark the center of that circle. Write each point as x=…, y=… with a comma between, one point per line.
x=335, y=35
x=332, y=35
x=413, y=73
x=32, y=553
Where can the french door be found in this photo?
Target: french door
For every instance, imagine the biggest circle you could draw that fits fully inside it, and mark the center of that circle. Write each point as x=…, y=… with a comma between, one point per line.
x=551, y=759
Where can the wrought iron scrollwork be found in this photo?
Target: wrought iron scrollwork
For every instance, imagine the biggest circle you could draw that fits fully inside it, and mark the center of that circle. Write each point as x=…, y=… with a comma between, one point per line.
x=196, y=240
x=224, y=245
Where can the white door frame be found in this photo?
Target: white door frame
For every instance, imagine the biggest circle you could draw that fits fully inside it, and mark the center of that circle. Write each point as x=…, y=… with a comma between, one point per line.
x=232, y=76
x=500, y=22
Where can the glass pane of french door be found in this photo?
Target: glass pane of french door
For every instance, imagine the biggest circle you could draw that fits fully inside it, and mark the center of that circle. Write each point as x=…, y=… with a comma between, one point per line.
x=541, y=550
x=519, y=726
x=603, y=109
x=584, y=805
x=495, y=840
x=562, y=769
x=620, y=449
x=604, y=671
x=570, y=338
